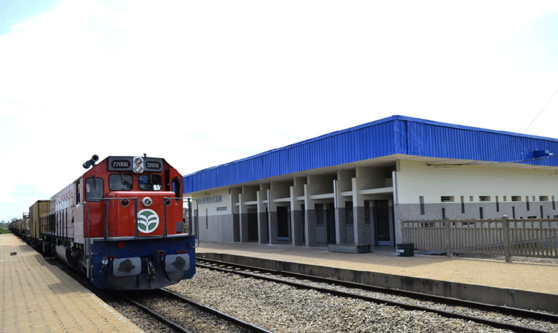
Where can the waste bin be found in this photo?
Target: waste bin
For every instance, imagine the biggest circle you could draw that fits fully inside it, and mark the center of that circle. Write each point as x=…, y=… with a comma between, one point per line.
x=406, y=249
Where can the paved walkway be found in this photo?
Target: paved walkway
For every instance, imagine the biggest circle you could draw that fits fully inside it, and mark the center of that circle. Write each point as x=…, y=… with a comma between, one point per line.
x=527, y=276
x=38, y=297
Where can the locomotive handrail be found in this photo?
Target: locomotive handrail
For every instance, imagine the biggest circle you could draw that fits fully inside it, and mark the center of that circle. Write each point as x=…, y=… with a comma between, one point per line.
x=106, y=200
x=165, y=217
x=105, y=235
x=136, y=235
x=135, y=199
x=106, y=218
x=196, y=223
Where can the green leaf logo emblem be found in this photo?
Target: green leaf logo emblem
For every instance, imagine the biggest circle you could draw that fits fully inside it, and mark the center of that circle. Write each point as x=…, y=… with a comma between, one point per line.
x=148, y=221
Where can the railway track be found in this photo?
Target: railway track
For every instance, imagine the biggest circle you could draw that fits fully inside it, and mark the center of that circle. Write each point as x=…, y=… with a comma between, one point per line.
x=183, y=314
x=426, y=303
x=451, y=308
x=171, y=312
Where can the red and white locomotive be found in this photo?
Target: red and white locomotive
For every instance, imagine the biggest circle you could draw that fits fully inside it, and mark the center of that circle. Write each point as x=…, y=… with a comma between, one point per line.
x=121, y=223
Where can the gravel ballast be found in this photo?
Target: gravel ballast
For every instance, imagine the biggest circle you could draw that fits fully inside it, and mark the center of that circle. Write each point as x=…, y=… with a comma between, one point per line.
x=281, y=308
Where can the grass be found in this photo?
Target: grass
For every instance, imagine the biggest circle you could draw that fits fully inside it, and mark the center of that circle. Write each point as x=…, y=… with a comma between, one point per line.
x=4, y=230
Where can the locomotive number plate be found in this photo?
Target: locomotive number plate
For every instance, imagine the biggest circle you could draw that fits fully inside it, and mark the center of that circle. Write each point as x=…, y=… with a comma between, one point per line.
x=120, y=164
x=152, y=165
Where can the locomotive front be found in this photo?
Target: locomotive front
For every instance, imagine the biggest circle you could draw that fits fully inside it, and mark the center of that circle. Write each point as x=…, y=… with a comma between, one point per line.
x=133, y=231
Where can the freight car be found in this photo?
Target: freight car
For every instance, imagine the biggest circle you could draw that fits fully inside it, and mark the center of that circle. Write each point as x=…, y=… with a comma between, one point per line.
x=36, y=229
x=21, y=227
x=121, y=224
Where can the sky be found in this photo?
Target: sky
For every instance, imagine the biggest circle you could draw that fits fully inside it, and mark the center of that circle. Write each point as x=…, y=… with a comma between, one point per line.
x=202, y=83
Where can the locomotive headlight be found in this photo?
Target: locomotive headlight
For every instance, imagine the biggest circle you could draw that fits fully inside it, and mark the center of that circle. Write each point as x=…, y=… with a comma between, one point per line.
x=147, y=201
x=138, y=164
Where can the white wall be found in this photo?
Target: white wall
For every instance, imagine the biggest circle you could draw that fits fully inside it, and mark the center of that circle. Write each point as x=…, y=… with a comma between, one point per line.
x=416, y=179
x=215, y=216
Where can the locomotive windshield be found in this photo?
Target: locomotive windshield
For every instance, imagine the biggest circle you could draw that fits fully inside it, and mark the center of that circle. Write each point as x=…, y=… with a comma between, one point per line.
x=93, y=188
x=150, y=182
x=120, y=182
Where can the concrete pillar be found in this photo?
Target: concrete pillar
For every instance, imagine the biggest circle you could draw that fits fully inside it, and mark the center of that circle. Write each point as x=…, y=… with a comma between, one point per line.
x=396, y=215
x=358, y=215
x=296, y=220
x=243, y=218
x=309, y=217
x=392, y=226
x=343, y=184
x=340, y=223
x=234, y=192
x=263, y=227
x=272, y=216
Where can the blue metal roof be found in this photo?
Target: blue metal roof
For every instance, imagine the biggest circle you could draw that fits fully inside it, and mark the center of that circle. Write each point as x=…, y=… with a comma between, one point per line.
x=384, y=137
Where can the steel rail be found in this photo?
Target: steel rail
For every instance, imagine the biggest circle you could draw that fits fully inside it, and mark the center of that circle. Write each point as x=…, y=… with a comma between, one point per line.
x=433, y=298
x=170, y=294
x=154, y=314
x=215, y=312
x=530, y=314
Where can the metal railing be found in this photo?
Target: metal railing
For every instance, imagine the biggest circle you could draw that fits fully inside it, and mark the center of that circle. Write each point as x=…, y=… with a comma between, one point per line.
x=135, y=200
x=523, y=237
x=56, y=223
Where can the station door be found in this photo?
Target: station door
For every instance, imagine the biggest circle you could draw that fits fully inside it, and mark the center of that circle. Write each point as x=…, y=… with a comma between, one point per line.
x=283, y=223
x=381, y=220
x=252, y=225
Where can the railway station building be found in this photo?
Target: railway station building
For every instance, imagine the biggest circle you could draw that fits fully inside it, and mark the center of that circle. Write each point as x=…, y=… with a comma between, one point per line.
x=355, y=186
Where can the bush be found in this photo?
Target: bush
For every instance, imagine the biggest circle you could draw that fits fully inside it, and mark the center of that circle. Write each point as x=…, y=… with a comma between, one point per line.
x=4, y=230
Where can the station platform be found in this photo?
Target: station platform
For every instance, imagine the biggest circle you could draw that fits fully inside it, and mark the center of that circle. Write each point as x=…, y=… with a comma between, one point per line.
x=38, y=297
x=522, y=284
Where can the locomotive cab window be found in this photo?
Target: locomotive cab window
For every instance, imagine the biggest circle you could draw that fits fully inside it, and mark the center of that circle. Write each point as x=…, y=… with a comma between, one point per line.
x=94, y=188
x=120, y=182
x=150, y=182
x=176, y=188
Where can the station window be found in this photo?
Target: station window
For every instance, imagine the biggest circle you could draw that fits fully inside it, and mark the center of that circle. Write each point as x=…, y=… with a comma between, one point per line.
x=543, y=198
x=447, y=198
x=120, y=182
x=484, y=198
x=516, y=198
x=150, y=182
